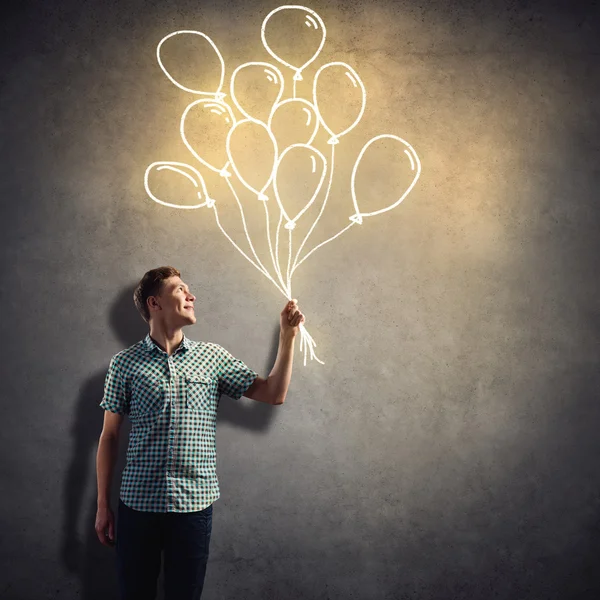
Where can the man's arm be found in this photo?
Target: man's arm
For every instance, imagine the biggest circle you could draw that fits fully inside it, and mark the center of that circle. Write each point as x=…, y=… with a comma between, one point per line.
x=106, y=457
x=273, y=390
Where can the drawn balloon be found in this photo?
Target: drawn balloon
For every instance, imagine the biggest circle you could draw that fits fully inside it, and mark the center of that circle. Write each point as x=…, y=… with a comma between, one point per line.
x=209, y=122
x=412, y=167
x=189, y=189
x=338, y=90
x=255, y=88
x=307, y=166
x=252, y=153
x=300, y=30
x=294, y=121
x=207, y=45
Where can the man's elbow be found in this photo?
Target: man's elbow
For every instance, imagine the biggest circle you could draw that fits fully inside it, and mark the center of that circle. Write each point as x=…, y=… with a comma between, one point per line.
x=274, y=396
x=277, y=399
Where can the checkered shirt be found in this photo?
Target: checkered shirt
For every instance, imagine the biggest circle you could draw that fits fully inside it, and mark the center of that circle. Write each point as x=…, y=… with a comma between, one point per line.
x=172, y=404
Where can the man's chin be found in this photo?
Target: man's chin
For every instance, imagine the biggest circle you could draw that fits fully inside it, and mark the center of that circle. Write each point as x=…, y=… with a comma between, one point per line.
x=188, y=320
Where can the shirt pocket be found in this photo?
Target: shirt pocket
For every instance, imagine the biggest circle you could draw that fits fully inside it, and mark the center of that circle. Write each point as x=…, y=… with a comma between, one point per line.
x=148, y=395
x=198, y=390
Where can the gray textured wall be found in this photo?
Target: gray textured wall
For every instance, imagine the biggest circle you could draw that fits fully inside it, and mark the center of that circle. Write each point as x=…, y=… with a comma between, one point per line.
x=448, y=447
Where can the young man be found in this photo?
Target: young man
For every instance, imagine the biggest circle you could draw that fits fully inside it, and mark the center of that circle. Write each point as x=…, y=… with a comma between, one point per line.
x=170, y=387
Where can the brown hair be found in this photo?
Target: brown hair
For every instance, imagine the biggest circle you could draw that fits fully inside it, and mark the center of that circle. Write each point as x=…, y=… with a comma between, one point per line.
x=151, y=285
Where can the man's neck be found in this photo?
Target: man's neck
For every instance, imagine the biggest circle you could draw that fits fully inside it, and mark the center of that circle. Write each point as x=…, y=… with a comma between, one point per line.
x=167, y=339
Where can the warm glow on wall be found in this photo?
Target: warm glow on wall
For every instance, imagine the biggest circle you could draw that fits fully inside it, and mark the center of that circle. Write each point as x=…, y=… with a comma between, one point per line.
x=257, y=92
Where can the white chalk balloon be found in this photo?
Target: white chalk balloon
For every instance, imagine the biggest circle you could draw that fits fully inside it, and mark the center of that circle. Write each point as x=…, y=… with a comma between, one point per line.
x=415, y=168
x=294, y=121
x=213, y=119
x=255, y=88
x=217, y=94
x=198, y=192
x=289, y=17
x=340, y=74
x=309, y=165
x=243, y=161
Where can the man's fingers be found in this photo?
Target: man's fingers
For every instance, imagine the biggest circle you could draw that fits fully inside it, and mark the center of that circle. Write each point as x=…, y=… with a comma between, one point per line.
x=295, y=317
x=106, y=532
x=102, y=538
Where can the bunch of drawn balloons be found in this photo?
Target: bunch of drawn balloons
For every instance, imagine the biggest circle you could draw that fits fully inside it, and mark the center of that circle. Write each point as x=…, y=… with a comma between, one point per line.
x=264, y=121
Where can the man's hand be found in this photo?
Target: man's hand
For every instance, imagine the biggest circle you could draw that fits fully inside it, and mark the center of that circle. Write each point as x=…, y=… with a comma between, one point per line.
x=291, y=318
x=105, y=526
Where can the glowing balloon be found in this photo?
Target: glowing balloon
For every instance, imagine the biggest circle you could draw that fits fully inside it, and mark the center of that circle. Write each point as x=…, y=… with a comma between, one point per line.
x=211, y=121
x=298, y=26
x=309, y=166
x=255, y=88
x=344, y=83
x=198, y=192
x=294, y=121
x=216, y=94
x=412, y=159
x=251, y=146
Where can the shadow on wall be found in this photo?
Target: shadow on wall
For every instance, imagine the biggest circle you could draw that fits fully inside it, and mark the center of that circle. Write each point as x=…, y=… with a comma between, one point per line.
x=81, y=551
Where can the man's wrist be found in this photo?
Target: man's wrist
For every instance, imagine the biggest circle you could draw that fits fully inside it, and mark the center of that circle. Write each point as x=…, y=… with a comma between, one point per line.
x=287, y=335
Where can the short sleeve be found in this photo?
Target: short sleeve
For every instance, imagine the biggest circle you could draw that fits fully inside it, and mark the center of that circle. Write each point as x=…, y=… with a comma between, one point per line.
x=235, y=377
x=115, y=395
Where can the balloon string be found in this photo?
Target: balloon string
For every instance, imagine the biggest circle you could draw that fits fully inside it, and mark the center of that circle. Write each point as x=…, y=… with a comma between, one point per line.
x=289, y=264
x=264, y=270
x=266, y=274
x=307, y=344
x=320, y=213
x=322, y=244
x=275, y=262
x=277, y=242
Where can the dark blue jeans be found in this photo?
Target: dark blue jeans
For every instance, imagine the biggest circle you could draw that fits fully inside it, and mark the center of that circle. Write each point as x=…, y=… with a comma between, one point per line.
x=142, y=536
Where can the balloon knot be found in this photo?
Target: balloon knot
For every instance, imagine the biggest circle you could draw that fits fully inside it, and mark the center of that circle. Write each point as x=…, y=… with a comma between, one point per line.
x=333, y=140
x=224, y=172
x=298, y=76
x=262, y=197
x=357, y=218
x=290, y=225
x=209, y=202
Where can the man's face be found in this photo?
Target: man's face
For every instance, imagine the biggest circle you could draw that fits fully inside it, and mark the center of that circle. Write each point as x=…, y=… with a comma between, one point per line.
x=177, y=303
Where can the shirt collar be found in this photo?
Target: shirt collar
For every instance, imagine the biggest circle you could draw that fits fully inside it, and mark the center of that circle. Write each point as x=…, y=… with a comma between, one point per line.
x=150, y=345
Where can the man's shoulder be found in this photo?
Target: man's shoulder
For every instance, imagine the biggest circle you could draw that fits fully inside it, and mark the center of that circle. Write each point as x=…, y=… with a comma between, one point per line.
x=201, y=348
x=209, y=347
x=128, y=356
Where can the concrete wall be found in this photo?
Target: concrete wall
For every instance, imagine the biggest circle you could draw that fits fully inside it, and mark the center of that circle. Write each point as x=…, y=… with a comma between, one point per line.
x=448, y=447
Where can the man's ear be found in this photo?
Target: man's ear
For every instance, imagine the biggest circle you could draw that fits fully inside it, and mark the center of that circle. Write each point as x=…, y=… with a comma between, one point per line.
x=152, y=303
